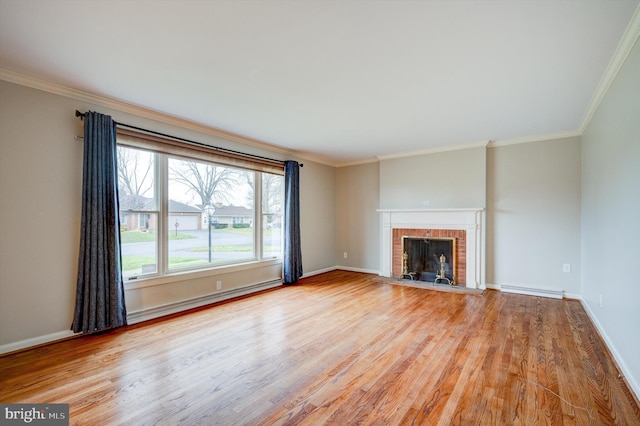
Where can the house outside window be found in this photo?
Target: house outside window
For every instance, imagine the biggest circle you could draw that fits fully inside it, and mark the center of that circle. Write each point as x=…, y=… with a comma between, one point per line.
x=144, y=220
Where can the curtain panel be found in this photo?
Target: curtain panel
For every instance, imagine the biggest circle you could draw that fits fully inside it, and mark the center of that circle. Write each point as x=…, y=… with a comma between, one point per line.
x=292, y=265
x=100, y=303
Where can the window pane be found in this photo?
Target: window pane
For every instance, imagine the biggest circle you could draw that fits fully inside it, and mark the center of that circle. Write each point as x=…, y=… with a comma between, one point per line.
x=272, y=207
x=139, y=254
x=138, y=212
x=210, y=214
x=136, y=179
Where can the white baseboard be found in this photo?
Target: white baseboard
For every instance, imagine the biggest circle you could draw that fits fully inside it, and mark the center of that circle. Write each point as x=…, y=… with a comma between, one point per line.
x=363, y=270
x=628, y=375
x=575, y=296
x=319, y=271
x=341, y=268
x=172, y=308
x=35, y=341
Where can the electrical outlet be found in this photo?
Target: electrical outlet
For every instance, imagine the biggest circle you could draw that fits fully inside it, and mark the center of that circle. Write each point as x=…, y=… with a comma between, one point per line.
x=566, y=267
x=218, y=285
x=345, y=255
x=601, y=300
x=426, y=203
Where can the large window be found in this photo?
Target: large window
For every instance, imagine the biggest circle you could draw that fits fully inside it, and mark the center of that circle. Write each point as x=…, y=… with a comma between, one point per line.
x=180, y=214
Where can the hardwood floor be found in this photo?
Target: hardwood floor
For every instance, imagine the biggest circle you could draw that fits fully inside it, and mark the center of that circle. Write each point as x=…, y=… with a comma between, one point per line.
x=338, y=348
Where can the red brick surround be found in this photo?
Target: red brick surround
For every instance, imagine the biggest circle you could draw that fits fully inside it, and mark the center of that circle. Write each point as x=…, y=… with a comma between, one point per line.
x=460, y=236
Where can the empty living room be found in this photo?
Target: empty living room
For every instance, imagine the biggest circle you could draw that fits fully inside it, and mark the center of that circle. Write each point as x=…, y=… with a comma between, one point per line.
x=339, y=212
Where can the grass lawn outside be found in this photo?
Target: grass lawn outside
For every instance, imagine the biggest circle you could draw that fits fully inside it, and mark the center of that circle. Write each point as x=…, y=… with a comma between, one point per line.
x=138, y=236
x=220, y=249
x=134, y=263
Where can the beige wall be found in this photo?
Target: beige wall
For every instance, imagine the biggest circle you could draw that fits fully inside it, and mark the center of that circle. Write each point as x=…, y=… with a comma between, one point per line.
x=40, y=189
x=533, y=215
x=610, y=212
x=39, y=213
x=357, y=218
x=317, y=217
x=451, y=179
x=533, y=210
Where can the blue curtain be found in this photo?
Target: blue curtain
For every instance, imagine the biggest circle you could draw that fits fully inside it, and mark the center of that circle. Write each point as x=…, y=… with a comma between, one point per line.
x=292, y=252
x=100, y=292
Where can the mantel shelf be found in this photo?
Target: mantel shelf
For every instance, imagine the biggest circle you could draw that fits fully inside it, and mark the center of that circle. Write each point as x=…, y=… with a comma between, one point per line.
x=463, y=209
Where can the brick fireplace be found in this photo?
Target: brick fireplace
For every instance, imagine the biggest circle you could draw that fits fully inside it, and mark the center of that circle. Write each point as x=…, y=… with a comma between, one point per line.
x=459, y=235
x=463, y=225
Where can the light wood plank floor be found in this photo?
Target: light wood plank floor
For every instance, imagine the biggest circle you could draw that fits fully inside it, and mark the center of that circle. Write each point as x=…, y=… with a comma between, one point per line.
x=339, y=348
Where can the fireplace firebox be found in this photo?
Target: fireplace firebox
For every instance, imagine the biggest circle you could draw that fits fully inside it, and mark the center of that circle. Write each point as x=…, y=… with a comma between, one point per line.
x=429, y=259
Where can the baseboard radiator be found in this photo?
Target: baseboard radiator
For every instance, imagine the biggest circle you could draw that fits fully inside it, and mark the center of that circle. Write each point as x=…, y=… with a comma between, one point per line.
x=160, y=311
x=554, y=294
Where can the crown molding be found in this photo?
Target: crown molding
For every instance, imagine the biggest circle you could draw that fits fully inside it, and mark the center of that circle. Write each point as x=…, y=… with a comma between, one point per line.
x=538, y=138
x=143, y=112
x=625, y=46
x=358, y=162
x=434, y=150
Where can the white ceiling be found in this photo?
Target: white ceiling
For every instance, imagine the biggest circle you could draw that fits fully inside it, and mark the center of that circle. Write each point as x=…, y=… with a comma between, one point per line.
x=338, y=81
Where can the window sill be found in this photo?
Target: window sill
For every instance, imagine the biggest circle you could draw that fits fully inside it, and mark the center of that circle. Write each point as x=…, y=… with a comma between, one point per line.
x=175, y=277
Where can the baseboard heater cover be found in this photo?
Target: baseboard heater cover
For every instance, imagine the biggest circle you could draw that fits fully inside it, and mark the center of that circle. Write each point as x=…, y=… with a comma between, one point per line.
x=554, y=294
x=183, y=305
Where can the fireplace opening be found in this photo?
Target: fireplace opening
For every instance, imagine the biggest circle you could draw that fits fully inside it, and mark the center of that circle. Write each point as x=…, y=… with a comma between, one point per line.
x=429, y=259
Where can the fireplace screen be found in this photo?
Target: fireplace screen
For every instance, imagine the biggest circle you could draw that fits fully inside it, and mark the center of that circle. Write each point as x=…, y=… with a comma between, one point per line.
x=429, y=259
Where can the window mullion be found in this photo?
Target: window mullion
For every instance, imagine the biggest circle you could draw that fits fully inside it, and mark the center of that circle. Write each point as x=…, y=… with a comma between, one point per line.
x=257, y=209
x=162, y=195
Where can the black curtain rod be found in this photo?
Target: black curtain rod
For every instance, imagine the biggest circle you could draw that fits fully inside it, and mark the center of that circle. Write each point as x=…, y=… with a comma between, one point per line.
x=217, y=148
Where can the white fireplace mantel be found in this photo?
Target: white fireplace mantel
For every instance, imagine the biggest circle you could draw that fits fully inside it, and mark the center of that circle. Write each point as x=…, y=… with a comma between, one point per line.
x=472, y=220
